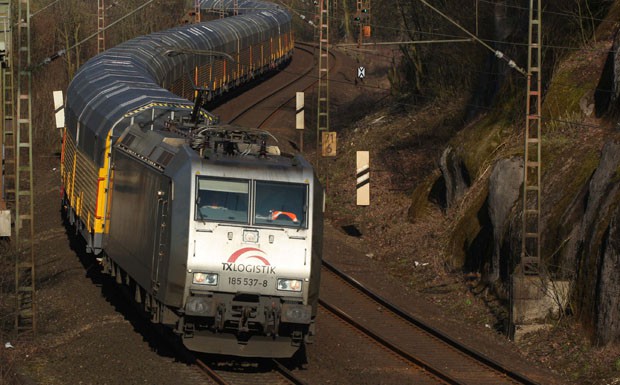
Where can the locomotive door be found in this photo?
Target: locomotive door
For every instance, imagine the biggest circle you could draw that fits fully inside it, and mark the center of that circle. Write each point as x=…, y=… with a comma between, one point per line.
x=161, y=235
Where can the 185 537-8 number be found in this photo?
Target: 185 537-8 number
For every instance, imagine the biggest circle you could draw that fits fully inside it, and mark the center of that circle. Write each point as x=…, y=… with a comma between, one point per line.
x=238, y=281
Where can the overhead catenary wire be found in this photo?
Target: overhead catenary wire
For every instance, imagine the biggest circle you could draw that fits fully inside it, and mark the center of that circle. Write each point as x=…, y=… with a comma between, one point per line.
x=547, y=12
x=298, y=13
x=487, y=41
x=503, y=42
x=456, y=24
x=405, y=42
x=547, y=118
x=482, y=41
x=456, y=38
x=44, y=8
x=63, y=52
x=478, y=106
x=499, y=54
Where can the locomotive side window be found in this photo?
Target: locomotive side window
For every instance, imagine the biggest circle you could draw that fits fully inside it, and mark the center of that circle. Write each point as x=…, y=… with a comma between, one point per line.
x=280, y=204
x=222, y=200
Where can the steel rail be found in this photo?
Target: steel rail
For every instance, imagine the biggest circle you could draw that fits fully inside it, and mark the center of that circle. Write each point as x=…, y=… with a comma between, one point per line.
x=385, y=343
x=279, y=89
x=213, y=375
x=286, y=373
x=278, y=374
x=429, y=329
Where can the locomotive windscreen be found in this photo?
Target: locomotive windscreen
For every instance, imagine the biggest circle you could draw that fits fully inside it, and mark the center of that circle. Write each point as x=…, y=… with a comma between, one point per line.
x=222, y=200
x=280, y=204
x=275, y=203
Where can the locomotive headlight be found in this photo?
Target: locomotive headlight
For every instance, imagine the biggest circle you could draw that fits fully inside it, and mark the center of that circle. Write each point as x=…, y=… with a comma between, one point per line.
x=205, y=279
x=289, y=284
x=296, y=313
x=250, y=236
x=200, y=306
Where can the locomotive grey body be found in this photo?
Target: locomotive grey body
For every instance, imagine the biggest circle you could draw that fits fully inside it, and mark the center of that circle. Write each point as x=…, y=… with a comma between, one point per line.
x=228, y=241
x=215, y=233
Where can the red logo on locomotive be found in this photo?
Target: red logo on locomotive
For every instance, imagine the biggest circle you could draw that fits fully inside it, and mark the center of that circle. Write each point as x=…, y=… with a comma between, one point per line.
x=245, y=261
x=246, y=254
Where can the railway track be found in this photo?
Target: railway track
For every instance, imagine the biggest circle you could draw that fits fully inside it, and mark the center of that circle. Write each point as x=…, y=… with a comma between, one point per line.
x=222, y=370
x=272, y=107
x=402, y=334
x=431, y=356
x=259, y=109
x=259, y=372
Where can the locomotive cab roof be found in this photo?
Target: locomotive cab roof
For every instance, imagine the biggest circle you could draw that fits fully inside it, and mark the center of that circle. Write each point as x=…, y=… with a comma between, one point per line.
x=214, y=143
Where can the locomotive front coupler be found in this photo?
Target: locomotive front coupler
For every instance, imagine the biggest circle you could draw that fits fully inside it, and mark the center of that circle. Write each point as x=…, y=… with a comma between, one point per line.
x=220, y=319
x=272, y=320
x=246, y=314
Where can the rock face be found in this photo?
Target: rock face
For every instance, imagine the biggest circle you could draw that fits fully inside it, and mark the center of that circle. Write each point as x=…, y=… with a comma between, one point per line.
x=581, y=239
x=607, y=324
x=616, y=72
x=607, y=91
x=504, y=189
x=587, y=242
x=454, y=174
x=590, y=224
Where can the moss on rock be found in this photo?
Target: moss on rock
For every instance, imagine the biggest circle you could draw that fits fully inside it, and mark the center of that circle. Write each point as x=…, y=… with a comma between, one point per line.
x=468, y=227
x=420, y=197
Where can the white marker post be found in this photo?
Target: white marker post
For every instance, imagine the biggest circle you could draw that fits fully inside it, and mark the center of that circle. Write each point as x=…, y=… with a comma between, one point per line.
x=363, y=178
x=59, y=110
x=299, y=118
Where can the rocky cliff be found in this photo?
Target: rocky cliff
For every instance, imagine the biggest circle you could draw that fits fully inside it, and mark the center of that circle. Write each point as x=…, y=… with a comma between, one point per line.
x=482, y=170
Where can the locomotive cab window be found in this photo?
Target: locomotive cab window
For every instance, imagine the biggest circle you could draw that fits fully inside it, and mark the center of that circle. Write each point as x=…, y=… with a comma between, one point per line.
x=281, y=204
x=222, y=200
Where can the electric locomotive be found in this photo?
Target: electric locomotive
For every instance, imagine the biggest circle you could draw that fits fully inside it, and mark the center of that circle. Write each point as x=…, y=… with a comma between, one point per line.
x=222, y=235
x=214, y=231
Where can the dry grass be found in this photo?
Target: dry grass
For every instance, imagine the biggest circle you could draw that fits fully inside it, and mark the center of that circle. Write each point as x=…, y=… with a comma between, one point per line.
x=404, y=148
